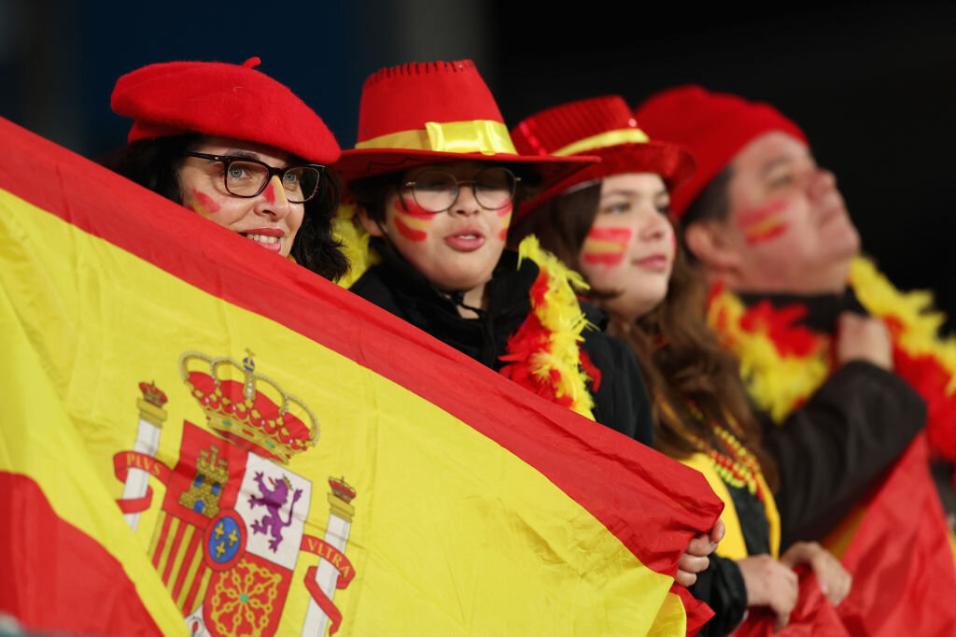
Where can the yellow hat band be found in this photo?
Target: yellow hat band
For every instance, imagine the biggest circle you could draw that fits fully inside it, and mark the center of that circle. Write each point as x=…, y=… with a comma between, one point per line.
x=484, y=136
x=604, y=140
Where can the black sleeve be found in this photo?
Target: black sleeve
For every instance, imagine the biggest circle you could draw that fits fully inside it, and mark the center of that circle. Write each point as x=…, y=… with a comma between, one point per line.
x=722, y=588
x=620, y=400
x=832, y=449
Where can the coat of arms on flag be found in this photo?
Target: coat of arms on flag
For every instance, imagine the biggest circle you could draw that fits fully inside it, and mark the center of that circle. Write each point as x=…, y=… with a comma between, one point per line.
x=231, y=526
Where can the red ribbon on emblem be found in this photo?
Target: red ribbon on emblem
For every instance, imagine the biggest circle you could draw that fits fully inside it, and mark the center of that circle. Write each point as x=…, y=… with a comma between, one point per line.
x=341, y=563
x=126, y=460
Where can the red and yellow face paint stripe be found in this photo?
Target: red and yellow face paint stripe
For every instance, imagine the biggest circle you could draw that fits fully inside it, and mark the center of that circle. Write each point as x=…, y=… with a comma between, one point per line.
x=411, y=220
x=765, y=223
x=606, y=246
x=505, y=214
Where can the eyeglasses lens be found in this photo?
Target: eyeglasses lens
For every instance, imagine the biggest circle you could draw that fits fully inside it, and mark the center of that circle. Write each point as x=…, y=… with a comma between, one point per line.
x=437, y=190
x=494, y=188
x=249, y=178
x=246, y=178
x=301, y=183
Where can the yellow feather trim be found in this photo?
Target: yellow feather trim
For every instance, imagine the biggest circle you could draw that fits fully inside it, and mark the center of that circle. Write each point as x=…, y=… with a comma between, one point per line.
x=560, y=313
x=777, y=382
x=347, y=230
x=913, y=312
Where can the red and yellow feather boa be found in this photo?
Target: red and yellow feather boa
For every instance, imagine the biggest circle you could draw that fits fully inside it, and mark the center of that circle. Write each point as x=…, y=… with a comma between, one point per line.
x=544, y=354
x=783, y=363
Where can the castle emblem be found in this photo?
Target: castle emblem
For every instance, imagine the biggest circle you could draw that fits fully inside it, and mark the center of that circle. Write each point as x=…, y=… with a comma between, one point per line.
x=206, y=488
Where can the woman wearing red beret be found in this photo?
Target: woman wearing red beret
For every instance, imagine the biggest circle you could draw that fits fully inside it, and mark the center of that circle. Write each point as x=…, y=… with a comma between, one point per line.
x=610, y=222
x=240, y=149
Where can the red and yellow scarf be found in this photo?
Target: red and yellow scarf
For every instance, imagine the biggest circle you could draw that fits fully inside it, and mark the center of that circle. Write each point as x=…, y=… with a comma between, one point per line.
x=783, y=363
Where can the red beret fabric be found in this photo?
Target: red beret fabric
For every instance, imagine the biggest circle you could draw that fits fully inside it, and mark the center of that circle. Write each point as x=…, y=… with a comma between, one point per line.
x=404, y=98
x=555, y=128
x=224, y=100
x=714, y=127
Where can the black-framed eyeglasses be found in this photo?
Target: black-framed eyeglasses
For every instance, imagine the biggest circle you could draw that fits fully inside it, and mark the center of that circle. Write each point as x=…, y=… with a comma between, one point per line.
x=247, y=178
x=436, y=190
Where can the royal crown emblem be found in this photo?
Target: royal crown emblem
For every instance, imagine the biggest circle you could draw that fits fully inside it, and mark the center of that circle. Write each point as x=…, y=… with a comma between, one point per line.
x=247, y=408
x=342, y=489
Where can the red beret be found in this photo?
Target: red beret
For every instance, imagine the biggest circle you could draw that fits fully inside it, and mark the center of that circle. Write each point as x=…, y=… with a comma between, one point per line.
x=603, y=127
x=714, y=127
x=224, y=100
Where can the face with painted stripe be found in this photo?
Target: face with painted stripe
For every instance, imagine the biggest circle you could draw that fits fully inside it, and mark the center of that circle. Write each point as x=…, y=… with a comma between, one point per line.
x=268, y=219
x=456, y=250
x=787, y=230
x=791, y=221
x=629, y=250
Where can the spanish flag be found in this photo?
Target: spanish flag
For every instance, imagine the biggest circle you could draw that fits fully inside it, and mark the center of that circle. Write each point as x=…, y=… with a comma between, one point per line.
x=201, y=438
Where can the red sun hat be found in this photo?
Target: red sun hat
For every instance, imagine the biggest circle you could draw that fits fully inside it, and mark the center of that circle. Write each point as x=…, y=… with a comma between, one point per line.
x=600, y=126
x=417, y=114
x=224, y=100
x=714, y=127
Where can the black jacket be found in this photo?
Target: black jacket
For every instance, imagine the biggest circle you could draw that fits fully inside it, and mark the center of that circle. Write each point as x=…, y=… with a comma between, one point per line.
x=620, y=400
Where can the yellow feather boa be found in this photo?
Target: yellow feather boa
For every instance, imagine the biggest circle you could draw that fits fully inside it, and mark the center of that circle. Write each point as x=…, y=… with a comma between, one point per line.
x=917, y=322
x=354, y=240
x=558, y=364
x=780, y=380
x=544, y=355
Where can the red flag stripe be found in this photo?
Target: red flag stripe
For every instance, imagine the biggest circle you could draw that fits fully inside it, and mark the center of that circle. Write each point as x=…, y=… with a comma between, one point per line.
x=78, y=571
x=191, y=549
x=163, y=538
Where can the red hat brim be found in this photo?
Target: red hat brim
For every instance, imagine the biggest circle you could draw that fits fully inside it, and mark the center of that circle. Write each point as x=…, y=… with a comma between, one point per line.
x=359, y=163
x=674, y=164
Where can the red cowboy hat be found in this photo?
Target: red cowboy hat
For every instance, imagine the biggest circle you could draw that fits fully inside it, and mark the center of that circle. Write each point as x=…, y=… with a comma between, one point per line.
x=601, y=126
x=225, y=100
x=417, y=114
x=713, y=126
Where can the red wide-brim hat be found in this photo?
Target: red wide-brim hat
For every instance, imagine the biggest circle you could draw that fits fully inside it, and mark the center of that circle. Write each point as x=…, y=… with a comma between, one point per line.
x=713, y=126
x=221, y=100
x=603, y=127
x=418, y=114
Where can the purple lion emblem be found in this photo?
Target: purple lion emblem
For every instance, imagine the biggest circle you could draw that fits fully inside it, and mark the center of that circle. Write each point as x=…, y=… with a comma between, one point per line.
x=273, y=500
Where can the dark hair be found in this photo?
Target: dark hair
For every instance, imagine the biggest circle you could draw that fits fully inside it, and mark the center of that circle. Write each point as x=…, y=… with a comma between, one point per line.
x=370, y=193
x=155, y=163
x=575, y=210
x=693, y=380
x=713, y=202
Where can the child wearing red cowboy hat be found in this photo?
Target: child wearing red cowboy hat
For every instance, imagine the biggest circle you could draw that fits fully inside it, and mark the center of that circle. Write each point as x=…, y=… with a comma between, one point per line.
x=426, y=133
x=433, y=178
x=237, y=147
x=610, y=222
x=809, y=320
